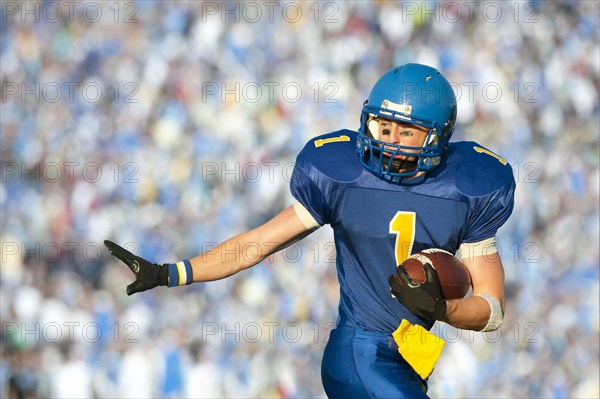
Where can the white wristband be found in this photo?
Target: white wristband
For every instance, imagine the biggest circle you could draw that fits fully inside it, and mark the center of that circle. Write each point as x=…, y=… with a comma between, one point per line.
x=496, y=315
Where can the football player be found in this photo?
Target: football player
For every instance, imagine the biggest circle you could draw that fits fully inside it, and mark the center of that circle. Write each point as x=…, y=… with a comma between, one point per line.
x=400, y=187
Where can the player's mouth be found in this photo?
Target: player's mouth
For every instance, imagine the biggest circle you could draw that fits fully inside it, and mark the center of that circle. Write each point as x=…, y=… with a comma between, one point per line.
x=405, y=158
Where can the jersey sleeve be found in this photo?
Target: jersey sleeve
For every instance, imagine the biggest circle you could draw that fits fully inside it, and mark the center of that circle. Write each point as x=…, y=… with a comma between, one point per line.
x=326, y=165
x=489, y=214
x=490, y=186
x=307, y=192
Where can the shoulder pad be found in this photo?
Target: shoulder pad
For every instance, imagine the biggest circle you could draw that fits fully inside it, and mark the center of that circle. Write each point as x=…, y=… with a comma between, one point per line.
x=478, y=171
x=333, y=155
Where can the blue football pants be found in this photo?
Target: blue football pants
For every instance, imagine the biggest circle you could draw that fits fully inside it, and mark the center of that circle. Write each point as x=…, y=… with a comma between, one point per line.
x=361, y=364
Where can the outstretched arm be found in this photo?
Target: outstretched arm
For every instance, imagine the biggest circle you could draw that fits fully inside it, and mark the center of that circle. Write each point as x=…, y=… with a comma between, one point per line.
x=247, y=249
x=237, y=253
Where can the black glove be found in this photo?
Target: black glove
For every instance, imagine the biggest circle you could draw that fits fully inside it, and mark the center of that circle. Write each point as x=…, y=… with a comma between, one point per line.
x=425, y=299
x=147, y=275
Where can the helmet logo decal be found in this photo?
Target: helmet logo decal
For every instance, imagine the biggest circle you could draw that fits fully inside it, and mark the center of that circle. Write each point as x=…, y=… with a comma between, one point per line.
x=404, y=109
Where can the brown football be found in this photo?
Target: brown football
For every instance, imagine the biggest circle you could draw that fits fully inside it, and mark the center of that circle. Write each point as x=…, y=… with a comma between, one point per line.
x=454, y=276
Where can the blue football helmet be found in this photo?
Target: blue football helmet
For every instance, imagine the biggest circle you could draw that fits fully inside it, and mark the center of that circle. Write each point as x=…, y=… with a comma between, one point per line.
x=412, y=94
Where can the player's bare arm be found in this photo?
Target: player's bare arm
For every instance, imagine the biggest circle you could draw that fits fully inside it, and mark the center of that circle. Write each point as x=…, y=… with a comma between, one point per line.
x=474, y=312
x=233, y=255
x=250, y=248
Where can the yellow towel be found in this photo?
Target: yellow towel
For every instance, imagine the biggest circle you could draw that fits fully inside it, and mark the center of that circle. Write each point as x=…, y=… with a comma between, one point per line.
x=420, y=348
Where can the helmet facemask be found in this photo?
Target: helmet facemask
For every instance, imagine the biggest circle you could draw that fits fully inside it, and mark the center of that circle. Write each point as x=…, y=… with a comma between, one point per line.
x=384, y=157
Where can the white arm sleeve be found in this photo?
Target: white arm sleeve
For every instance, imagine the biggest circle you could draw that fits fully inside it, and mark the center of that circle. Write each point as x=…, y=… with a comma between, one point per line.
x=470, y=250
x=304, y=215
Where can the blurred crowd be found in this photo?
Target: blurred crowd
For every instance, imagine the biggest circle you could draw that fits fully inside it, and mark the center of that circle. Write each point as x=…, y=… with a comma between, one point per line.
x=170, y=126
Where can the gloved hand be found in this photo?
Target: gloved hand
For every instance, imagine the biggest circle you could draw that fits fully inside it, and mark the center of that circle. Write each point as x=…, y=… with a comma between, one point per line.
x=147, y=275
x=424, y=299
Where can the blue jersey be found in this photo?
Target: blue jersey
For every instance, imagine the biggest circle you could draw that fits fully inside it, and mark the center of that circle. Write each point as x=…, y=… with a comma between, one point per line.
x=377, y=224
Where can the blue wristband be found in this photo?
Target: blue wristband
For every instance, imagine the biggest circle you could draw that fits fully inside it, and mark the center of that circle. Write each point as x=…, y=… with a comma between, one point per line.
x=180, y=273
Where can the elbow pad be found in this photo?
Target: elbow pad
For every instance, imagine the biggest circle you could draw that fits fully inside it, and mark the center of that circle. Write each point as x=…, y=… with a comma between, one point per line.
x=496, y=314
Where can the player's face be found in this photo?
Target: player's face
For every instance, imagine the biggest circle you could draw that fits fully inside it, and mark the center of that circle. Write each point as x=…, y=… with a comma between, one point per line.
x=402, y=134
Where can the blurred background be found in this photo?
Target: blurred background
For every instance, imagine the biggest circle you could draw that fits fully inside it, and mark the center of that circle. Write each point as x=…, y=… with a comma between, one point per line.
x=171, y=126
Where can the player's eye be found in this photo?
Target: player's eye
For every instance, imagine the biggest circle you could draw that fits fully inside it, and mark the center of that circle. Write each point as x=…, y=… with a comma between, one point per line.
x=406, y=133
